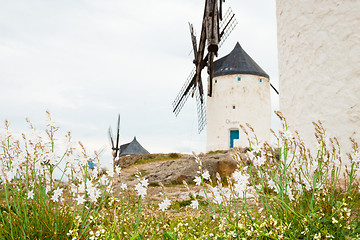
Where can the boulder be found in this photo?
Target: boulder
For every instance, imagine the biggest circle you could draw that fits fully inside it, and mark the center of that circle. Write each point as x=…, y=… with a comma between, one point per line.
x=225, y=167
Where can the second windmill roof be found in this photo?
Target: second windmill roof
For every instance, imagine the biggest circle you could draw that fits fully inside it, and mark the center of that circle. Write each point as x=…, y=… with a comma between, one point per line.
x=132, y=148
x=237, y=62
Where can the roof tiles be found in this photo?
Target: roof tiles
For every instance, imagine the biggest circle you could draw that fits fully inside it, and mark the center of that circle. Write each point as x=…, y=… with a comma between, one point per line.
x=237, y=62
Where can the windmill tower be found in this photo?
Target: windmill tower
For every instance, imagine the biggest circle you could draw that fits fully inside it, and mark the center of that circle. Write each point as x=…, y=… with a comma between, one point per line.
x=238, y=89
x=240, y=94
x=319, y=56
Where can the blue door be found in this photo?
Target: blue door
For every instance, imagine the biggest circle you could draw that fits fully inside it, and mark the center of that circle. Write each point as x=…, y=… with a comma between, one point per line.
x=234, y=134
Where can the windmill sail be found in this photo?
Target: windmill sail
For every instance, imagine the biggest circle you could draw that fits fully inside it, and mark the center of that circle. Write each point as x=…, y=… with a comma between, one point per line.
x=213, y=34
x=201, y=111
x=115, y=145
x=183, y=95
x=117, y=137
x=227, y=26
x=111, y=138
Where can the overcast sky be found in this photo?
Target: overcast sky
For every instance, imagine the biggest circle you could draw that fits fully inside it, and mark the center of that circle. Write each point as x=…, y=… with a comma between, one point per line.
x=88, y=60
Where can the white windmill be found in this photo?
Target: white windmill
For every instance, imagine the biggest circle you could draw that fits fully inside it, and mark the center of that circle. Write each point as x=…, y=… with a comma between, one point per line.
x=240, y=95
x=238, y=89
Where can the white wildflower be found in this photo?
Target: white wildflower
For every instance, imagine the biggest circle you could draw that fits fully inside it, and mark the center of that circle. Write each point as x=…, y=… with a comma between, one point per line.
x=94, y=193
x=240, y=177
x=197, y=180
x=104, y=180
x=308, y=185
x=82, y=187
x=305, y=232
x=9, y=176
x=226, y=193
x=94, y=173
x=239, y=188
x=164, y=204
x=118, y=170
x=194, y=204
x=259, y=161
x=237, y=175
x=80, y=200
x=110, y=173
x=58, y=192
x=123, y=186
x=232, y=234
x=206, y=175
x=271, y=184
x=217, y=198
x=141, y=190
x=290, y=194
x=92, y=237
x=198, y=160
x=317, y=236
x=54, y=198
x=256, y=148
x=30, y=194
x=144, y=182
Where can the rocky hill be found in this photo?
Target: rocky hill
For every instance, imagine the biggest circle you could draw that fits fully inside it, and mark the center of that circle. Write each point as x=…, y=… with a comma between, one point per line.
x=171, y=170
x=174, y=168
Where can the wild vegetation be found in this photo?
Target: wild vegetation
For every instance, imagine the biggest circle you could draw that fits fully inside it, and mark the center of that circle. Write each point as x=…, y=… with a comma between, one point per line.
x=277, y=192
x=150, y=158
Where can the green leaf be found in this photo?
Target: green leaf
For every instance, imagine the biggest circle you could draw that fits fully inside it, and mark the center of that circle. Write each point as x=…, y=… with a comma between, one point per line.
x=169, y=236
x=136, y=237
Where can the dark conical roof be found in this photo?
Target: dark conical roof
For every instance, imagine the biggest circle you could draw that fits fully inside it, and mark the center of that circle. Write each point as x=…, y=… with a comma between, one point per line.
x=237, y=62
x=132, y=148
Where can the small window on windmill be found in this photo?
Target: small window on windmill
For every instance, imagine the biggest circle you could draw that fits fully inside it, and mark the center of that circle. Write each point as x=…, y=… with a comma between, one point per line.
x=260, y=79
x=239, y=79
x=233, y=107
x=215, y=81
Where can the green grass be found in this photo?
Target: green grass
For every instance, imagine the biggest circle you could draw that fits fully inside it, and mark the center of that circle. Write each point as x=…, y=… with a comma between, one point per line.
x=173, y=184
x=154, y=184
x=150, y=159
x=217, y=151
x=295, y=197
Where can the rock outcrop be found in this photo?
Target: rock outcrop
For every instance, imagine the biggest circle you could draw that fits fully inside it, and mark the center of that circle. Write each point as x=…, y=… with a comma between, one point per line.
x=178, y=170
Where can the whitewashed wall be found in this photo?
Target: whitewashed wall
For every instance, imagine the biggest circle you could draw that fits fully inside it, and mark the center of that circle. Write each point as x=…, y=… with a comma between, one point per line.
x=319, y=65
x=251, y=99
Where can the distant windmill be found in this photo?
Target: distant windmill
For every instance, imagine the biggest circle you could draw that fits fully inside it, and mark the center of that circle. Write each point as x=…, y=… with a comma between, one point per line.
x=215, y=29
x=115, y=145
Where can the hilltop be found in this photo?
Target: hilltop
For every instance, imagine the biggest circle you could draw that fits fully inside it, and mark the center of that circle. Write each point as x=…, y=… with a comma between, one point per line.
x=172, y=169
